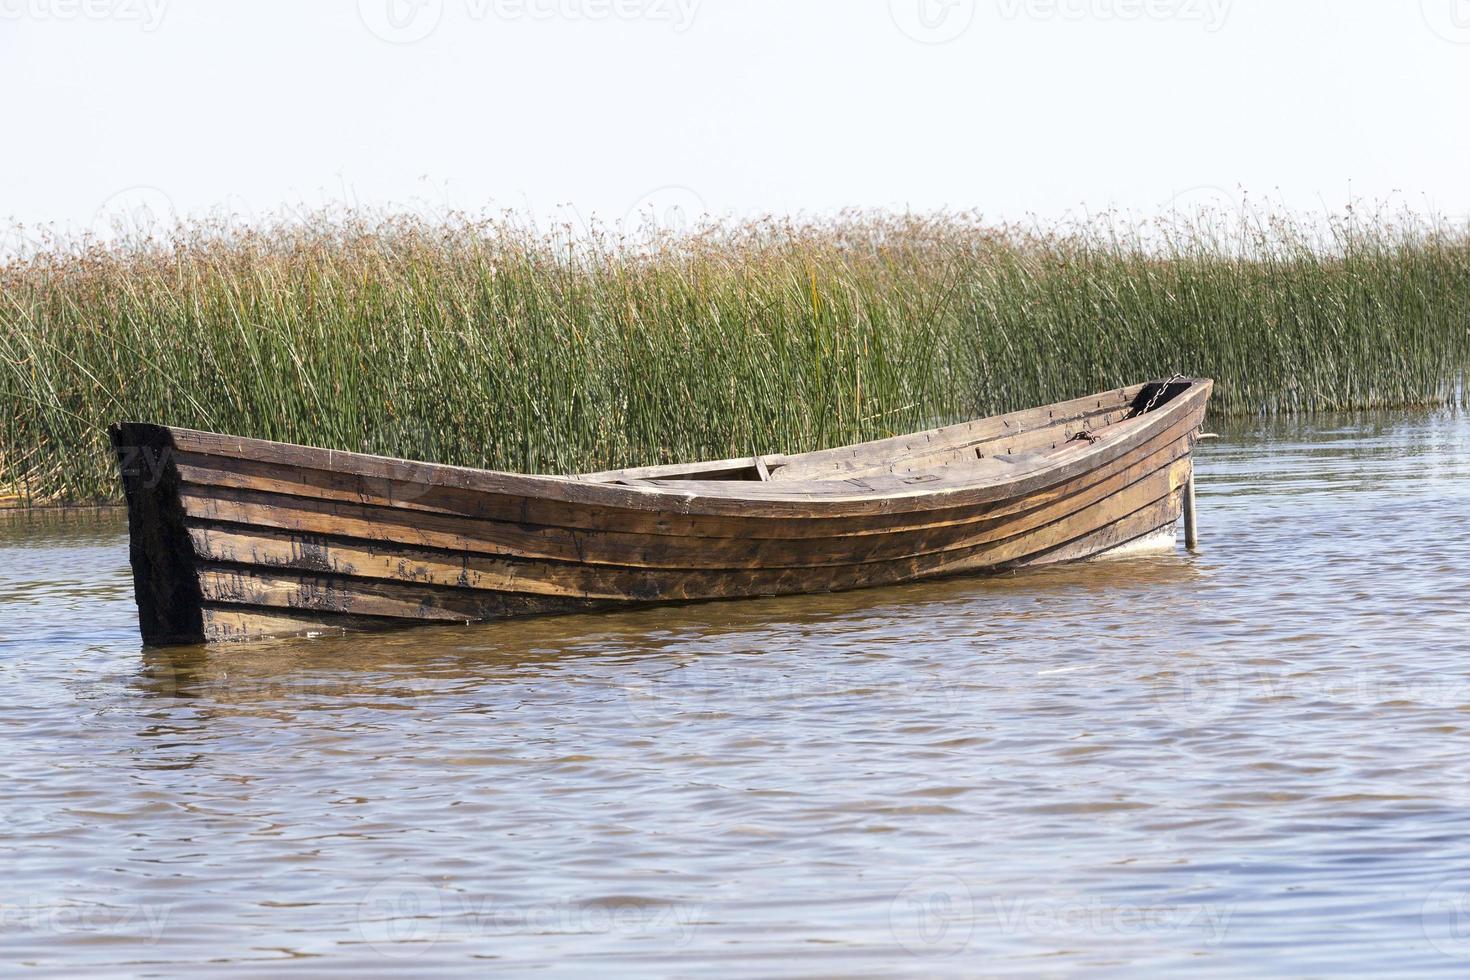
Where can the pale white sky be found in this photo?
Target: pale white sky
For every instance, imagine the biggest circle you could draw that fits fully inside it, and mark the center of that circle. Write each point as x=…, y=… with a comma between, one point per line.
x=606, y=107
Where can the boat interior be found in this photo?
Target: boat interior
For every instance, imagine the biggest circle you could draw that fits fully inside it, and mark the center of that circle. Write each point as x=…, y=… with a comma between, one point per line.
x=1047, y=432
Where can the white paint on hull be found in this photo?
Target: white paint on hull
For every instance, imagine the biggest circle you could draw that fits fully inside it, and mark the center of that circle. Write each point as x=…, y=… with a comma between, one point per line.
x=1162, y=541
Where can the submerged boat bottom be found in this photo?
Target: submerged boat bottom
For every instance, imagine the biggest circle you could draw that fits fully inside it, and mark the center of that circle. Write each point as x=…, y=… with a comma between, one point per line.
x=1160, y=542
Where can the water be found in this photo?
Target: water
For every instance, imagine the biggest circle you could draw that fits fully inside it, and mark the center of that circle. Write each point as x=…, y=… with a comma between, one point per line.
x=1255, y=760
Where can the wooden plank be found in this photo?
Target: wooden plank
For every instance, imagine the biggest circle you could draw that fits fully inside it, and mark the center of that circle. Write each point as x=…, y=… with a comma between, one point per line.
x=981, y=481
x=280, y=550
x=305, y=553
x=451, y=568
x=226, y=623
x=209, y=471
x=206, y=471
x=730, y=498
x=322, y=576
x=963, y=434
x=1091, y=532
x=920, y=458
x=1191, y=520
x=384, y=600
x=1116, y=508
x=1148, y=520
x=711, y=469
x=453, y=534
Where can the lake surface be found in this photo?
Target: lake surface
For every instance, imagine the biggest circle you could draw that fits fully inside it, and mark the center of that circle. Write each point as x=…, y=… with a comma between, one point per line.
x=1252, y=760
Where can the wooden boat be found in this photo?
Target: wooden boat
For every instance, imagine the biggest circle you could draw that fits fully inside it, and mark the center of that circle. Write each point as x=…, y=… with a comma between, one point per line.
x=235, y=538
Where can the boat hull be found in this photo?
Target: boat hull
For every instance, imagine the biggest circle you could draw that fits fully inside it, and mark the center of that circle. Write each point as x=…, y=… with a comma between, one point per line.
x=236, y=538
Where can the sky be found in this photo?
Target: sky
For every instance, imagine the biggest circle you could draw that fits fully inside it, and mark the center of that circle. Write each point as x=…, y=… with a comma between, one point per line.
x=660, y=110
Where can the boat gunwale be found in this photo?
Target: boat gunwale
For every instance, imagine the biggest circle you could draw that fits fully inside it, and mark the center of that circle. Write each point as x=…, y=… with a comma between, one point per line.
x=776, y=499
x=379, y=495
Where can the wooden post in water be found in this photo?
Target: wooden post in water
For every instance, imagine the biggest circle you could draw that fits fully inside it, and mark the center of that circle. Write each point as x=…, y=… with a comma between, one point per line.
x=1191, y=516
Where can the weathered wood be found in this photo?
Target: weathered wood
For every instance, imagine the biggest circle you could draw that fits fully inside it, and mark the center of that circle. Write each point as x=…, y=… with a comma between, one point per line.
x=1191, y=520
x=239, y=538
x=457, y=568
x=384, y=600
x=964, y=434
x=164, y=581
x=991, y=480
x=938, y=454
x=716, y=469
x=213, y=471
x=223, y=623
x=1141, y=523
x=333, y=591
x=455, y=534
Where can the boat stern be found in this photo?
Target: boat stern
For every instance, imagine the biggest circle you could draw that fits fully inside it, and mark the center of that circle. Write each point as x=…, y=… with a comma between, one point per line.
x=165, y=574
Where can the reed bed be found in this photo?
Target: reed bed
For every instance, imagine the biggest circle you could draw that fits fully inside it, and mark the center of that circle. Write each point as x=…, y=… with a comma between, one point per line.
x=484, y=343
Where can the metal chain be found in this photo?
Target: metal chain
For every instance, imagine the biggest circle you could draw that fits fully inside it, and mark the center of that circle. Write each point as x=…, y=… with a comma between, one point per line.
x=1086, y=433
x=1160, y=393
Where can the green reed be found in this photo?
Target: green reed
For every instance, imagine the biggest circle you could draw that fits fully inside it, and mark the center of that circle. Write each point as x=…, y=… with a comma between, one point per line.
x=482, y=343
